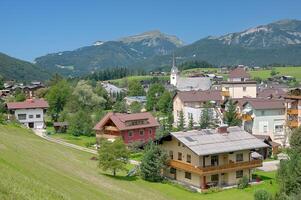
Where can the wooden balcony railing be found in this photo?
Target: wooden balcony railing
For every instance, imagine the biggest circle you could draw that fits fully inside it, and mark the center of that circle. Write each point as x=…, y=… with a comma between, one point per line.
x=292, y=111
x=225, y=93
x=215, y=169
x=111, y=128
x=293, y=123
x=246, y=117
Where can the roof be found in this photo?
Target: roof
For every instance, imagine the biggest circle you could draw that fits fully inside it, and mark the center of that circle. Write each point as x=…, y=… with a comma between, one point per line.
x=27, y=104
x=193, y=83
x=239, y=82
x=263, y=104
x=271, y=92
x=60, y=124
x=208, y=141
x=120, y=119
x=239, y=72
x=200, y=96
x=136, y=98
x=111, y=88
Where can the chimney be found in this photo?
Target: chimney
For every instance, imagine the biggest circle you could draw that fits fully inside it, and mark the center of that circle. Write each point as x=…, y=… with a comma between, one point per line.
x=223, y=128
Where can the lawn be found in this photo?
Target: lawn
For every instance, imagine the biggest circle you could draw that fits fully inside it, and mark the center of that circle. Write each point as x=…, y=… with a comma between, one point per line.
x=33, y=168
x=82, y=140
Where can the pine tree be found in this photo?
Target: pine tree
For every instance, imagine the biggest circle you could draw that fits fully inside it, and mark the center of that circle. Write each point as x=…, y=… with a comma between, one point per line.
x=206, y=118
x=181, y=121
x=190, y=122
x=231, y=117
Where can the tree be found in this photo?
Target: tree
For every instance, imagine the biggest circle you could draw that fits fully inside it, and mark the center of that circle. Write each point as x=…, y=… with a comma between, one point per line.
x=120, y=107
x=56, y=78
x=135, y=107
x=165, y=102
x=80, y=123
x=86, y=96
x=20, y=95
x=153, y=162
x=181, y=121
x=262, y=194
x=1, y=82
x=230, y=116
x=206, y=118
x=135, y=88
x=57, y=97
x=295, y=140
x=190, y=122
x=113, y=156
x=153, y=95
x=273, y=72
x=41, y=93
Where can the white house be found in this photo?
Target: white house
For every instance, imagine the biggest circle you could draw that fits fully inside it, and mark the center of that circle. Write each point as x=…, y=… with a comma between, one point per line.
x=265, y=117
x=29, y=112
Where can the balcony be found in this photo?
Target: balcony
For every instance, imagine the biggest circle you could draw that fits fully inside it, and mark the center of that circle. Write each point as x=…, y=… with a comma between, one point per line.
x=292, y=124
x=225, y=93
x=246, y=117
x=292, y=111
x=111, y=128
x=215, y=169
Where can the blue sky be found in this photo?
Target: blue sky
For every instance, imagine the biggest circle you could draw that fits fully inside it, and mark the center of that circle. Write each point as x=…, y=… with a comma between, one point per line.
x=32, y=28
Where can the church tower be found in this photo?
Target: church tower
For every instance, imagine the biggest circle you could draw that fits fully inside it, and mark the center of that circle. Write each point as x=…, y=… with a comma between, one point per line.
x=174, y=74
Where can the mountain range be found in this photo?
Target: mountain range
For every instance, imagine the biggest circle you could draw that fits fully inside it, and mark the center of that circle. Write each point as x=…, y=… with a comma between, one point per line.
x=278, y=42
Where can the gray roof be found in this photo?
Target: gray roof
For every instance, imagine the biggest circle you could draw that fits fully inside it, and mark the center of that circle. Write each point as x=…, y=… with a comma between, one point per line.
x=110, y=88
x=208, y=141
x=193, y=83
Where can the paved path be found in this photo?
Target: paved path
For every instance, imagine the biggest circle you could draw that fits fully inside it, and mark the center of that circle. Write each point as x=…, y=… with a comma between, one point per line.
x=42, y=133
x=269, y=166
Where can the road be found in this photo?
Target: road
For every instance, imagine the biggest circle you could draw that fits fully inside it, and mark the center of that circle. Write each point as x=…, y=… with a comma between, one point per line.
x=42, y=133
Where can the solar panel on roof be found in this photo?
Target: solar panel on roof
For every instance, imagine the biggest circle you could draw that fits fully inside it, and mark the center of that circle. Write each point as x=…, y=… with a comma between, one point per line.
x=189, y=139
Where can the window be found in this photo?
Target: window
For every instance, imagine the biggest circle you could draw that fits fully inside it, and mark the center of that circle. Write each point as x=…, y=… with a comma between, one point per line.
x=150, y=131
x=262, y=113
x=265, y=128
x=239, y=174
x=214, y=160
x=278, y=128
x=214, y=178
x=141, y=132
x=171, y=154
x=179, y=143
x=244, y=89
x=172, y=170
x=38, y=116
x=179, y=156
x=188, y=175
x=239, y=157
x=21, y=116
x=130, y=133
x=30, y=116
x=189, y=115
x=188, y=158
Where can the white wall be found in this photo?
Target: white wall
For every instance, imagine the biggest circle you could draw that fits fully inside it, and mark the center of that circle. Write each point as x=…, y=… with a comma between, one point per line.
x=38, y=122
x=237, y=90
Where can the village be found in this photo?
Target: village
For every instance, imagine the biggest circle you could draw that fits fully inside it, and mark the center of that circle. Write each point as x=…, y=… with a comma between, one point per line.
x=203, y=131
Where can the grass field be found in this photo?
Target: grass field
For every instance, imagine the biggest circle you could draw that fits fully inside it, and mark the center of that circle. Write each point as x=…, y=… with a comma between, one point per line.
x=263, y=74
x=32, y=168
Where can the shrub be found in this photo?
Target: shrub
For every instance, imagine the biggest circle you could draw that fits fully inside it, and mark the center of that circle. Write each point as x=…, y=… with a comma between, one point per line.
x=243, y=183
x=212, y=190
x=262, y=194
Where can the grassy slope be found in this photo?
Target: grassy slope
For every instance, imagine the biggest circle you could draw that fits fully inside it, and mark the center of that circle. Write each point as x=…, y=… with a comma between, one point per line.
x=31, y=168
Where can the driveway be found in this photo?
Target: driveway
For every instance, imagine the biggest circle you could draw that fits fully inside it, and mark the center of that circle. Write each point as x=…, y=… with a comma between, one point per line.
x=269, y=166
x=42, y=133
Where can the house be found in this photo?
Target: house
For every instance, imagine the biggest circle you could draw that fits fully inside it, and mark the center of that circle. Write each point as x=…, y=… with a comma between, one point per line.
x=29, y=112
x=211, y=157
x=30, y=89
x=191, y=103
x=265, y=117
x=135, y=127
x=131, y=99
x=188, y=83
x=239, y=84
x=293, y=108
x=60, y=127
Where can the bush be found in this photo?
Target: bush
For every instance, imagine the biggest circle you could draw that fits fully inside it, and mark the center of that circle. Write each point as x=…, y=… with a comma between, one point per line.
x=212, y=190
x=243, y=183
x=262, y=194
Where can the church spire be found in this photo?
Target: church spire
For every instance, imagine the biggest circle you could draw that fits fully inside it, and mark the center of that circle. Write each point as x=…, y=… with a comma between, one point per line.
x=173, y=60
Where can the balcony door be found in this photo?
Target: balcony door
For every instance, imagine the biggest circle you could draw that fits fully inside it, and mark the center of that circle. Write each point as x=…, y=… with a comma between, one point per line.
x=214, y=160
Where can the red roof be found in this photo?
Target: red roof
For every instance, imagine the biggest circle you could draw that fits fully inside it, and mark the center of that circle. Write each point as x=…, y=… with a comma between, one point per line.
x=120, y=119
x=239, y=72
x=28, y=103
x=200, y=96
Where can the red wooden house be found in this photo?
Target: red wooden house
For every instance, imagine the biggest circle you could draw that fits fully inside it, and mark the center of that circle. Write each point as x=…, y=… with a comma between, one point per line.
x=135, y=127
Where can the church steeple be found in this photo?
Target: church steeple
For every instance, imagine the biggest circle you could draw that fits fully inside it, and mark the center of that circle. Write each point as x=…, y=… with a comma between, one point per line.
x=174, y=73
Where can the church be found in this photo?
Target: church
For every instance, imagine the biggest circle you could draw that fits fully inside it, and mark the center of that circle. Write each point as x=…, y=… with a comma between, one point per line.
x=188, y=83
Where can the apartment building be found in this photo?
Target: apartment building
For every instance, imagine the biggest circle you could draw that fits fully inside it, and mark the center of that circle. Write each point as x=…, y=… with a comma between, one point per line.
x=293, y=108
x=239, y=84
x=211, y=157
